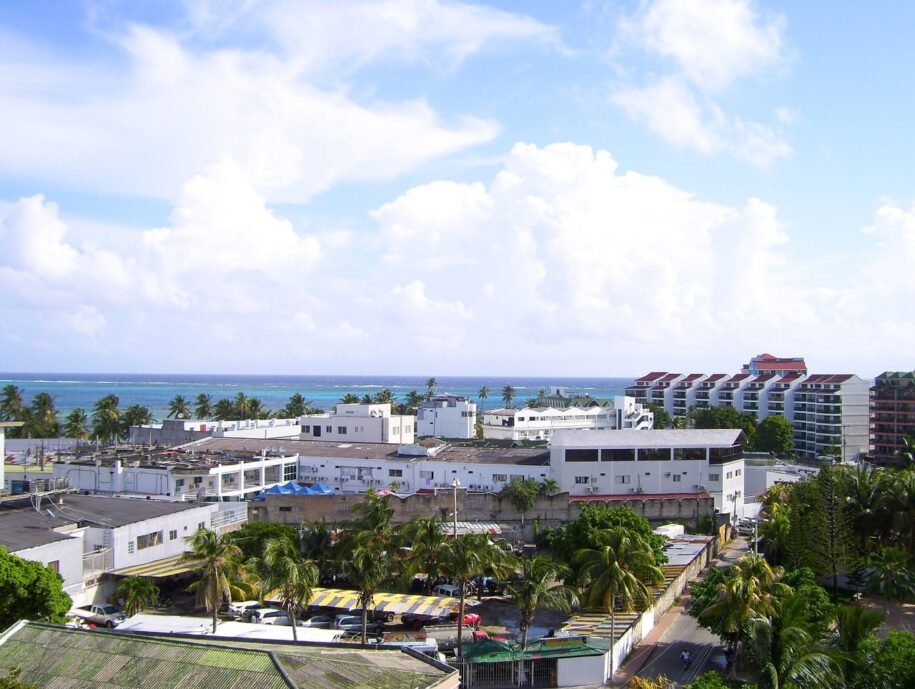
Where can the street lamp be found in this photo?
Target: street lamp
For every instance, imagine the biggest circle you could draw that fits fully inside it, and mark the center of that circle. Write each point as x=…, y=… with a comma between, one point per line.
x=455, y=484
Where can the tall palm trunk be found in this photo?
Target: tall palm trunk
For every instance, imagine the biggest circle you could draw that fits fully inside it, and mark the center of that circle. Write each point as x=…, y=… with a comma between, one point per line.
x=365, y=623
x=291, y=611
x=215, y=598
x=460, y=639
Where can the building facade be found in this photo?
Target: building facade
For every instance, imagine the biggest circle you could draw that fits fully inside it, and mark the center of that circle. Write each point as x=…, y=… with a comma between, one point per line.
x=652, y=462
x=542, y=422
x=180, y=431
x=892, y=415
x=828, y=412
x=363, y=423
x=446, y=416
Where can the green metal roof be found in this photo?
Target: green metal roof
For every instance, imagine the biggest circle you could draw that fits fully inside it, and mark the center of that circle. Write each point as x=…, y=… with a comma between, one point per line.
x=55, y=656
x=490, y=651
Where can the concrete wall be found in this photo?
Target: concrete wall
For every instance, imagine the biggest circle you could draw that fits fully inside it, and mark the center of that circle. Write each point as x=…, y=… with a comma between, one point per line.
x=185, y=523
x=574, y=672
x=549, y=511
x=67, y=554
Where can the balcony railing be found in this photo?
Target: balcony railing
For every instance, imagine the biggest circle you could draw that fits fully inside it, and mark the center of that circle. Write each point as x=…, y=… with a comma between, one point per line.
x=96, y=563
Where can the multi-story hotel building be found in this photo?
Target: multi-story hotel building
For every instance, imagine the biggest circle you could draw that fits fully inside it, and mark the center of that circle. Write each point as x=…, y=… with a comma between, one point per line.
x=827, y=411
x=892, y=414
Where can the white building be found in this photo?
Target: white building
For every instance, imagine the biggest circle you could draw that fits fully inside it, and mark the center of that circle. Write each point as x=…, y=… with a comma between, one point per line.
x=366, y=423
x=652, y=462
x=829, y=412
x=84, y=537
x=541, y=422
x=446, y=416
x=185, y=473
x=180, y=431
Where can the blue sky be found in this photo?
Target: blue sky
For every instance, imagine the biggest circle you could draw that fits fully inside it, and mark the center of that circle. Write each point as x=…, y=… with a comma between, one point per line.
x=596, y=188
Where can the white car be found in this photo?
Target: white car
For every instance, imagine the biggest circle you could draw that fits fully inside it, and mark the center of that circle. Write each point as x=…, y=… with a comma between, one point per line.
x=267, y=616
x=240, y=607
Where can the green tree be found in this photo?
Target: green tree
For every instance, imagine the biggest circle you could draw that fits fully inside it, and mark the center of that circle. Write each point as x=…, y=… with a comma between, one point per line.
x=618, y=574
x=295, y=407
x=384, y=396
x=106, y=419
x=135, y=415
x=483, y=395
x=893, y=664
x=891, y=575
x=854, y=623
x=466, y=556
x=590, y=528
x=414, y=399
x=428, y=543
x=288, y=576
x=774, y=532
x=727, y=417
x=548, y=487
x=179, y=408
x=256, y=409
x=831, y=529
x=661, y=417
x=42, y=418
x=508, y=396
x=219, y=569
x=30, y=590
x=866, y=500
x=252, y=537
x=12, y=406
x=775, y=434
x=537, y=586
x=224, y=410
x=522, y=494
x=317, y=542
x=712, y=680
x=366, y=567
x=431, y=384
x=76, y=425
x=242, y=406
x=203, y=406
x=138, y=593
x=349, y=398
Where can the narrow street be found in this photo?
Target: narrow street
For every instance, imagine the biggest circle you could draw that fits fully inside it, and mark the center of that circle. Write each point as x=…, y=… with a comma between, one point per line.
x=676, y=632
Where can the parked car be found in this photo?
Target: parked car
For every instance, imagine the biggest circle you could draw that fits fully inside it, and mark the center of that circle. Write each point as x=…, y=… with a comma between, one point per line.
x=318, y=622
x=101, y=615
x=446, y=590
x=267, y=616
x=353, y=623
x=239, y=608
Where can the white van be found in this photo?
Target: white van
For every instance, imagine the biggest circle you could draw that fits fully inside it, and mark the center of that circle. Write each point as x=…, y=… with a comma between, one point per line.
x=446, y=590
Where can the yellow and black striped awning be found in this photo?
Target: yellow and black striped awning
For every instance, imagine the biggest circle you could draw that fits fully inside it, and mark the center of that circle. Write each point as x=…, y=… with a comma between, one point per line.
x=397, y=603
x=165, y=567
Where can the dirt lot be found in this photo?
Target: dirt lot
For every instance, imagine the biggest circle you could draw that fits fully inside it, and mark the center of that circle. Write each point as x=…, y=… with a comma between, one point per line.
x=500, y=617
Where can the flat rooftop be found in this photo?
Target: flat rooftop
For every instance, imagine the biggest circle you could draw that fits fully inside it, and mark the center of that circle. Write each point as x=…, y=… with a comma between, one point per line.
x=627, y=438
x=382, y=451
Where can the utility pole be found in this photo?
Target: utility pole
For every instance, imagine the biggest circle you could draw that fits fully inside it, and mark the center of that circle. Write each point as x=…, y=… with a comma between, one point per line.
x=455, y=484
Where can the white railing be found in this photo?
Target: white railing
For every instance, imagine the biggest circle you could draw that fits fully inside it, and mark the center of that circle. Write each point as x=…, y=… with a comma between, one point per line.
x=232, y=515
x=95, y=563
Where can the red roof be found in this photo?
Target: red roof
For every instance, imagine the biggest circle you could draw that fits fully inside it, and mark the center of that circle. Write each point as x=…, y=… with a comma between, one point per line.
x=669, y=377
x=788, y=377
x=649, y=377
x=764, y=377
x=739, y=377
x=691, y=377
x=780, y=365
x=715, y=376
x=828, y=378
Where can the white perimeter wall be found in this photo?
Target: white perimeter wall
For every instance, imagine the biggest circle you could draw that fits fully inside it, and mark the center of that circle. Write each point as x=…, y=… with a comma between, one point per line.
x=573, y=672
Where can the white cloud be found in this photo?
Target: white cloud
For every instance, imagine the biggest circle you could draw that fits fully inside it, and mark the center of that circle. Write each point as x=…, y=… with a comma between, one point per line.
x=164, y=104
x=704, y=47
x=559, y=263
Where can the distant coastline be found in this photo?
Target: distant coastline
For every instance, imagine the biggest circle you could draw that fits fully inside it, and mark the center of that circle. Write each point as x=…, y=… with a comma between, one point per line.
x=72, y=390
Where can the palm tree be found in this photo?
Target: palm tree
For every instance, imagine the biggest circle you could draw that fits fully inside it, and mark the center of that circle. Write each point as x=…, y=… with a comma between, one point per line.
x=11, y=406
x=219, y=567
x=431, y=384
x=76, y=425
x=466, y=556
x=618, y=574
x=288, y=576
x=508, y=395
x=865, y=500
x=907, y=452
x=295, y=407
x=316, y=541
x=428, y=542
x=549, y=487
x=891, y=575
x=256, y=409
x=366, y=568
x=106, y=419
x=179, y=408
x=242, y=406
x=537, y=587
x=138, y=593
x=414, y=399
x=349, y=398
x=854, y=623
x=901, y=501
x=136, y=415
x=203, y=406
x=384, y=396
x=774, y=532
x=43, y=416
x=483, y=395
x=785, y=648
x=224, y=410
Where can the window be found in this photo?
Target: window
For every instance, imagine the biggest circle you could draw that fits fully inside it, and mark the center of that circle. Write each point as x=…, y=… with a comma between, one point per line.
x=396, y=473
x=581, y=455
x=179, y=483
x=714, y=477
x=285, y=508
x=500, y=477
x=579, y=480
x=395, y=431
x=328, y=429
x=149, y=540
x=738, y=472
x=290, y=472
x=429, y=474
x=54, y=566
x=654, y=454
x=622, y=479
x=306, y=429
x=201, y=525
x=341, y=430
x=689, y=453
x=730, y=474
x=617, y=455
x=130, y=547
x=407, y=429
x=198, y=480
x=173, y=535
x=677, y=478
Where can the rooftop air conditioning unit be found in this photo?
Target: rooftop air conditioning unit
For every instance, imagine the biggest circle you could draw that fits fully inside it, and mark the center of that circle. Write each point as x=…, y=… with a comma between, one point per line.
x=632, y=490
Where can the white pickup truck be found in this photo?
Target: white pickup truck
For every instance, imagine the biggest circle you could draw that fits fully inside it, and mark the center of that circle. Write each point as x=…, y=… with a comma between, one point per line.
x=100, y=615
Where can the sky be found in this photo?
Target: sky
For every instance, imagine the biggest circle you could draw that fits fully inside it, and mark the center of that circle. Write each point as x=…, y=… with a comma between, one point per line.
x=446, y=188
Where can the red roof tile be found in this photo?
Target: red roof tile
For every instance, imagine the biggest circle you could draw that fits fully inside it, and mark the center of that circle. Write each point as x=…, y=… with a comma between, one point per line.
x=650, y=376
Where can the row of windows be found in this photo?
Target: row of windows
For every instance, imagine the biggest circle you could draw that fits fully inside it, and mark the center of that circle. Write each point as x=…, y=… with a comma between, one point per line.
x=153, y=539
x=629, y=454
x=622, y=478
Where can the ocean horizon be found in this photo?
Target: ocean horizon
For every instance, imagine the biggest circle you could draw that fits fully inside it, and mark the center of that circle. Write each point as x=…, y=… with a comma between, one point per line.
x=72, y=390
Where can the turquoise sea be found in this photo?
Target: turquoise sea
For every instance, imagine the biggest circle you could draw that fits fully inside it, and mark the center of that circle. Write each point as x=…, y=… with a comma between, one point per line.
x=155, y=391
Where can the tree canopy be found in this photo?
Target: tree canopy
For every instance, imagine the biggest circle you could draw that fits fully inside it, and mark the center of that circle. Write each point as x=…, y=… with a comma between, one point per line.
x=589, y=530
x=775, y=434
x=30, y=590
